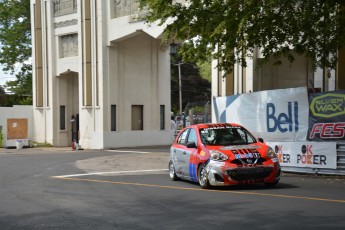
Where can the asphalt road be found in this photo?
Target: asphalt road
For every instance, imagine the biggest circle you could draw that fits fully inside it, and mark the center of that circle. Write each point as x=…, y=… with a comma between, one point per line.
x=131, y=189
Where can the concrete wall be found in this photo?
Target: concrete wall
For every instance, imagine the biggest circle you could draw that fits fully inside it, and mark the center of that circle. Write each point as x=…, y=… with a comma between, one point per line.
x=286, y=75
x=17, y=111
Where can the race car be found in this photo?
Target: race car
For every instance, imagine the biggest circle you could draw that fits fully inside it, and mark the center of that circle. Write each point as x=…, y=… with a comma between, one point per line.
x=222, y=154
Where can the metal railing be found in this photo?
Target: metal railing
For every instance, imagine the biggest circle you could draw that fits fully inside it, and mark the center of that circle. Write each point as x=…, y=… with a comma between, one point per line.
x=341, y=156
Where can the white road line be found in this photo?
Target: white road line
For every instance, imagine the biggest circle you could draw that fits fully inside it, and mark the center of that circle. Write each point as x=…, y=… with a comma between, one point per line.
x=103, y=173
x=126, y=151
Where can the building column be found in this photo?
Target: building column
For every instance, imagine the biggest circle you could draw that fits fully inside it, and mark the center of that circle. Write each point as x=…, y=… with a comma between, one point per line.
x=38, y=54
x=86, y=53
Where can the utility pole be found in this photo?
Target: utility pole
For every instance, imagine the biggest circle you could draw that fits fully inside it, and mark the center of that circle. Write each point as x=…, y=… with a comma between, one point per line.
x=180, y=85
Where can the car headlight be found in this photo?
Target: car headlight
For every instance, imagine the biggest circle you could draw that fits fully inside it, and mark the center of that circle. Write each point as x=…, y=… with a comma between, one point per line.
x=270, y=153
x=218, y=156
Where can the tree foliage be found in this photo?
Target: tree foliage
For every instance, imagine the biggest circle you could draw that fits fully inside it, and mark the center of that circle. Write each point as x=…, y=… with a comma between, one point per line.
x=22, y=86
x=231, y=30
x=205, y=69
x=15, y=33
x=2, y=90
x=15, y=44
x=195, y=89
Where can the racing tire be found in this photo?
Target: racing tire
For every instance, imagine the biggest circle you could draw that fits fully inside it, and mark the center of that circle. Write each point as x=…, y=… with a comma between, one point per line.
x=172, y=172
x=202, y=177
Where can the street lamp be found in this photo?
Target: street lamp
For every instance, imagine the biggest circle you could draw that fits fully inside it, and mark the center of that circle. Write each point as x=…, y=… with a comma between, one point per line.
x=173, y=52
x=173, y=48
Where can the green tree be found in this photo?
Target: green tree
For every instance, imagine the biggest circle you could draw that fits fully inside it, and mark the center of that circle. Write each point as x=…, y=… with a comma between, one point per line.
x=230, y=30
x=22, y=86
x=205, y=69
x=2, y=90
x=15, y=49
x=195, y=89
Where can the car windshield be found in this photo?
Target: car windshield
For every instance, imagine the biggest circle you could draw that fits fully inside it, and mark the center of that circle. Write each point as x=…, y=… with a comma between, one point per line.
x=227, y=135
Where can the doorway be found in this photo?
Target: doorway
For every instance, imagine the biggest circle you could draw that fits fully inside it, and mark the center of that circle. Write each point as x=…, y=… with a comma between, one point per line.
x=137, y=117
x=69, y=100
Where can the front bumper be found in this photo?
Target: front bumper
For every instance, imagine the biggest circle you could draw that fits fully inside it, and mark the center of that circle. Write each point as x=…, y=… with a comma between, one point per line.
x=224, y=173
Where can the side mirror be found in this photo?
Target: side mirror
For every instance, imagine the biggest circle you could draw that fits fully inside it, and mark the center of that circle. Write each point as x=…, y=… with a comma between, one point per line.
x=261, y=140
x=191, y=144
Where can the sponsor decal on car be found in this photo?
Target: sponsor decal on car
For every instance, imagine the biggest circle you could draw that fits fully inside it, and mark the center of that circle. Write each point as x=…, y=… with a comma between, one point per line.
x=247, y=155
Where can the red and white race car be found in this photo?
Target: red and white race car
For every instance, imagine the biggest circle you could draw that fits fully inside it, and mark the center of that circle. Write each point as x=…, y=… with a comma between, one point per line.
x=222, y=154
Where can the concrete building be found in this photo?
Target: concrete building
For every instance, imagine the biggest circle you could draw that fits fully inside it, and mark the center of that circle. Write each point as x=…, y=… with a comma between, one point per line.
x=101, y=76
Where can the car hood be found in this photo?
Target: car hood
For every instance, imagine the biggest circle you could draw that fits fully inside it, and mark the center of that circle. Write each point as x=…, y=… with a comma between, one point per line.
x=241, y=151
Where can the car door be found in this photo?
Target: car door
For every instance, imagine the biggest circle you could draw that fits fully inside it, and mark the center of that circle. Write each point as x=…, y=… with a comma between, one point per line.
x=181, y=159
x=191, y=155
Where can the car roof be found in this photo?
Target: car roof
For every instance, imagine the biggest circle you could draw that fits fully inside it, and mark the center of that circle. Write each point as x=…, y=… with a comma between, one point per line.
x=214, y=125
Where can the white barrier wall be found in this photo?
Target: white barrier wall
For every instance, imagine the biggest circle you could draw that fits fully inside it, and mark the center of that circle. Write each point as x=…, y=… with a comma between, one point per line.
x=275, y=115
x=306, y=154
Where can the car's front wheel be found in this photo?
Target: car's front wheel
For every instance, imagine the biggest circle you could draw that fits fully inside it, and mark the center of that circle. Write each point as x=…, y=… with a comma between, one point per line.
x=172, y=172
x=202, y=177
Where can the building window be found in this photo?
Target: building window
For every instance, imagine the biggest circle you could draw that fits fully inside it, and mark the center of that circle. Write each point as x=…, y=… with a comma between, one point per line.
x=137, y=117
x=113, y=118
x=68, y=45
x=122, y=8
x=64, y=7
x=162, y=116
x=62, y=117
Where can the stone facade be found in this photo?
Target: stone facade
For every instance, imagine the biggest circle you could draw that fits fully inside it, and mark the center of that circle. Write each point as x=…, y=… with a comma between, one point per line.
x=98, y=78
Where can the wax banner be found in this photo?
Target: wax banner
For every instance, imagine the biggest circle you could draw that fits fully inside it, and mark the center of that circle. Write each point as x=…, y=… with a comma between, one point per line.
x=275, y=115
x=306, y=154
x=327, y=116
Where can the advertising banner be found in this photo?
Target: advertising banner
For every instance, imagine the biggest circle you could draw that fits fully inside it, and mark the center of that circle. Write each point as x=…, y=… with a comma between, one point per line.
x=306, y=154
x=327, y=116
x=274, y=115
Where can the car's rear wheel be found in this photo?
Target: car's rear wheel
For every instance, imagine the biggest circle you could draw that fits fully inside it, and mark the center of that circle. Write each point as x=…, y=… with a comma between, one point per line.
x=202, y=177
x=172, y=172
